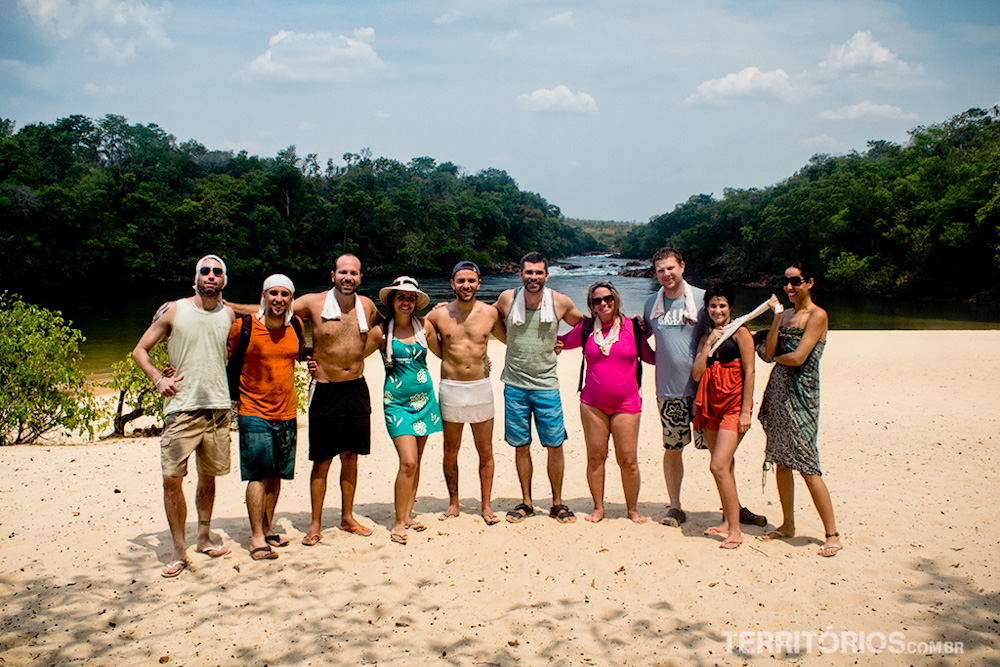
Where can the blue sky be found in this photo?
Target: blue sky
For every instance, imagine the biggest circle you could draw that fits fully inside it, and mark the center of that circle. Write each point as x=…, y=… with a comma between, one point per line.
x=610, y=110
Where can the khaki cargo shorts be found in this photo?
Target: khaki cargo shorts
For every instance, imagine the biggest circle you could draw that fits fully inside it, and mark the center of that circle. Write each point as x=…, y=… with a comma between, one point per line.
x=203, y=431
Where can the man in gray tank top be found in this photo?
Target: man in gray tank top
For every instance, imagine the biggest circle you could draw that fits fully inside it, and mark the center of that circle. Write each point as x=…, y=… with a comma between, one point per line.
x=531, y=316
x=196, y=402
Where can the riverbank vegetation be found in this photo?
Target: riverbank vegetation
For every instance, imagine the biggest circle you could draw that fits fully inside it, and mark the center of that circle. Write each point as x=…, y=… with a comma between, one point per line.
x=84, y=200
x=920, y=219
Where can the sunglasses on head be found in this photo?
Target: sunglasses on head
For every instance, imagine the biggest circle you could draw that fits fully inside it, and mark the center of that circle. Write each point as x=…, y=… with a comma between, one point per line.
x=794, y=281
x=214, y=269
x=598, y=300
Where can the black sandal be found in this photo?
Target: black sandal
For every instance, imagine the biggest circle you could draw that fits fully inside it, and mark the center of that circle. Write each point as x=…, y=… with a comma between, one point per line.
x=561, y=513
x=520, y=513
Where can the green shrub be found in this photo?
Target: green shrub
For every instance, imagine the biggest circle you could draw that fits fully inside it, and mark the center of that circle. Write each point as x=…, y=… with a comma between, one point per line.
x=135, y=392
x=42, y=386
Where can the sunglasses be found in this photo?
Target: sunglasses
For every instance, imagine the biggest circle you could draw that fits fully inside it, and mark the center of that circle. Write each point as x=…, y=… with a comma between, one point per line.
x=214, y=269
x=598, y=300
x=794, y=281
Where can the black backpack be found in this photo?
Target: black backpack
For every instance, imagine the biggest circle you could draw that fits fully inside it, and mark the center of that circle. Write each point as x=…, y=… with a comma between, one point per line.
x=235, y=366
x=588, y=328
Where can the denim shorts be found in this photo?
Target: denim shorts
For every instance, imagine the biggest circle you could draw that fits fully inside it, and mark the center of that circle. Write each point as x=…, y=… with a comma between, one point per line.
x=545, y=404
x=267, y=448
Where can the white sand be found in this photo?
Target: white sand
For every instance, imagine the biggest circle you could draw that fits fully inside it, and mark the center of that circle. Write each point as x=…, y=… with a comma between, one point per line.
x=907, y=435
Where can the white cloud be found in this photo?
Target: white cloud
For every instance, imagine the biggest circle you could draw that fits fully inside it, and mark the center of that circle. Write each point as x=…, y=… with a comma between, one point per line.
x=504, y=41
x=867, y=109
x=117, y=28
x=563, y=20
x=382, y=114
x=318, y=57
x=501, y=42
x=861, y=52
x=560, y=98
x=748, y=81
x=445, y=19
x=105, y=90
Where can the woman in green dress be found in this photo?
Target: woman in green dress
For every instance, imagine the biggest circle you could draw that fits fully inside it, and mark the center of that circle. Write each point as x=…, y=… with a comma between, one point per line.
x=789, y=410
x=411, y=410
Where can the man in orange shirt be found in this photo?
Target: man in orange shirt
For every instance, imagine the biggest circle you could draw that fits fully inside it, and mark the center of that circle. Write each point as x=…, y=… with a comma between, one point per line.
x=267, y=405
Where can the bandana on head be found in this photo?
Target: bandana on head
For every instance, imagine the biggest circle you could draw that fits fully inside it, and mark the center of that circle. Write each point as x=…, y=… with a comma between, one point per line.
x=278, y=280
x=197, y=269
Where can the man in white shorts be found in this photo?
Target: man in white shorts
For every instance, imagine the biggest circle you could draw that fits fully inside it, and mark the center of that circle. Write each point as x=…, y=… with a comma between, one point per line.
x=464, y=393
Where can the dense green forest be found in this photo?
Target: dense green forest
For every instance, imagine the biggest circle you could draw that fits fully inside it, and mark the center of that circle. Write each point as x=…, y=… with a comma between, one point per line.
x=85, y=199
x=920, y=219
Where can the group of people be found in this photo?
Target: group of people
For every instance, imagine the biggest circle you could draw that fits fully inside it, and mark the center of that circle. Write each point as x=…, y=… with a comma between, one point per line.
x=703, y=372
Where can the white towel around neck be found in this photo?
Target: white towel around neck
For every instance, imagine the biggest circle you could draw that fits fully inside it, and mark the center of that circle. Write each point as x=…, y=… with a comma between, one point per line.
x=331, y=310
x=418, y=332
x=731, y=328
x=603, y=342
x=690, y=309
x=548, y=307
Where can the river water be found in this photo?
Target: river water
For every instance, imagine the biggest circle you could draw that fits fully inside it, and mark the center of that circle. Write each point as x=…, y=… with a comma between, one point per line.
x=113, y=325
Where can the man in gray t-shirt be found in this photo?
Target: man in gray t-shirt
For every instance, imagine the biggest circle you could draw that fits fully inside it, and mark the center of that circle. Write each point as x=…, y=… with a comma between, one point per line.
x=672, y=315
x=677, y=319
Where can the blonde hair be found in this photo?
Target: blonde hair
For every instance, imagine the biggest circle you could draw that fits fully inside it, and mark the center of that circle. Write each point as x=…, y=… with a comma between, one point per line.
x=611, y=288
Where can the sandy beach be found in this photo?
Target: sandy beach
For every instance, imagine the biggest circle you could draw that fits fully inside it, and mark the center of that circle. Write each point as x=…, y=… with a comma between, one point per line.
x=907, y=435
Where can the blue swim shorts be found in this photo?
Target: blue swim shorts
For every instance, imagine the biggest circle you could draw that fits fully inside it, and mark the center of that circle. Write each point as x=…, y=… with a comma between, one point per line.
x=267, y=448
x=545, y=404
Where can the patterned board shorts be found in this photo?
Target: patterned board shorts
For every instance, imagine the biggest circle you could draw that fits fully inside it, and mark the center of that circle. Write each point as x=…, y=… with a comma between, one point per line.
x=676, y=415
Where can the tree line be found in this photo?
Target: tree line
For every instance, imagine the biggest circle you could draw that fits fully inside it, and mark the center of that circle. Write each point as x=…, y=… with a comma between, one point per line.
x=85, y=199
x=920, y=219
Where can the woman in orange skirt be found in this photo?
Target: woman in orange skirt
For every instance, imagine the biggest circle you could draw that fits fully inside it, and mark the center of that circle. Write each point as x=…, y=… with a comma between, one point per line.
x=724, y=403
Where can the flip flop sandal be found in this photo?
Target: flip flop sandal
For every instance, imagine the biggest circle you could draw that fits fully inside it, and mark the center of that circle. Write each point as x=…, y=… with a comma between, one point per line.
x=276, y=540
x=263, y=553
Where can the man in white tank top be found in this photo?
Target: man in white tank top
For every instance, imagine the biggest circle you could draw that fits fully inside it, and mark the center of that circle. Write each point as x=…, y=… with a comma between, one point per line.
x=196, y=402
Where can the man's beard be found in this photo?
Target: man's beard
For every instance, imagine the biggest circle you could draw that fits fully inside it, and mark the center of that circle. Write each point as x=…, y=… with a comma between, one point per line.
x=208, y=290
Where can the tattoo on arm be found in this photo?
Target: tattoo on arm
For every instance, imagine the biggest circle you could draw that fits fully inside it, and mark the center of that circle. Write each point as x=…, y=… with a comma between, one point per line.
x=161, y=311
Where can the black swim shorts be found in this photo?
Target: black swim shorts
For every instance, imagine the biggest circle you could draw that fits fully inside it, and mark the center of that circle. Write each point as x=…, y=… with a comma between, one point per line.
x=339, y=419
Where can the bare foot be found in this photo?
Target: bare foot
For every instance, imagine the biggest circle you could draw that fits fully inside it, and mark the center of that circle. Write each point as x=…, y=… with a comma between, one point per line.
x=490, y=518
x=717, y=530
x=595, y=517
x=637, y=518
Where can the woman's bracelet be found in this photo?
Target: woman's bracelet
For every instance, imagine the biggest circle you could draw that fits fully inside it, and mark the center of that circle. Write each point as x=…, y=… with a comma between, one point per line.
x=157, y=383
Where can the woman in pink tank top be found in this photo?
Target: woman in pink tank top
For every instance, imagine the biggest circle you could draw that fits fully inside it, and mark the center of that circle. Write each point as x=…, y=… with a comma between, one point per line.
x=610, y=403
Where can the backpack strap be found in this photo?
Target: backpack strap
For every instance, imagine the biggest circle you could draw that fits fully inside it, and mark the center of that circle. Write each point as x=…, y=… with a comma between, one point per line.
x=637, y=330
x=235, y=366
x=297, y=326
x=586, y=328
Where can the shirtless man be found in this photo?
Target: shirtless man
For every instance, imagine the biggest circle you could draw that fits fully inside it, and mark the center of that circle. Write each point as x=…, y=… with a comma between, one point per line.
x=340, y=408
x=465, y=393
x=531, y=318
x=195, y=402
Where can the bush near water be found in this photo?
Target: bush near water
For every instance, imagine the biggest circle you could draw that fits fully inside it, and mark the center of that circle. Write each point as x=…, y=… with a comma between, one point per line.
x=42, y=386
